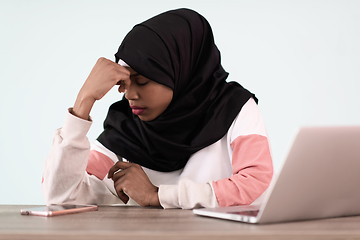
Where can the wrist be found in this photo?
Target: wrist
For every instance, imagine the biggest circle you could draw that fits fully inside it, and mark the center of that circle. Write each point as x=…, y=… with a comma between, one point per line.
x=154, y=201
x=83, y=106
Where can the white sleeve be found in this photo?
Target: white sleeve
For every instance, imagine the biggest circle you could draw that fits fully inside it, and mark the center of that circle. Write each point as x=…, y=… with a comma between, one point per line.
x=187, y=195
x=65, y=179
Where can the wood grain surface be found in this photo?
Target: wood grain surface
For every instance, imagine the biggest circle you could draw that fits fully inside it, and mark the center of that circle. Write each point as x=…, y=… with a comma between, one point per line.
x=122, y=222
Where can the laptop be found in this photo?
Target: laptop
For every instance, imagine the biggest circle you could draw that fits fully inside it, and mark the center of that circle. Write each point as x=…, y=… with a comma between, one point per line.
x=320, y=178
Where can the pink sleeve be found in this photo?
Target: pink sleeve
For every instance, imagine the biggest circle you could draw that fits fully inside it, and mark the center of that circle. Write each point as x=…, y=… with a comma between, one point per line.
x=252, y=172
x=99, y=164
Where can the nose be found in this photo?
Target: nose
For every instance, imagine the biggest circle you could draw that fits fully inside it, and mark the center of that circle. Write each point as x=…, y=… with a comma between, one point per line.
x=131, y=92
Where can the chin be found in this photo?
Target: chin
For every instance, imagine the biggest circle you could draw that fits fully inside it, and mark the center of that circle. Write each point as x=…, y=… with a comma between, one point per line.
x=145, y=119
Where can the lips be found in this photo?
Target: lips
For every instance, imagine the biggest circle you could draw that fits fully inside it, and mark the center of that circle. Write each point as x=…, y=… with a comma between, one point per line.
x=137, y=110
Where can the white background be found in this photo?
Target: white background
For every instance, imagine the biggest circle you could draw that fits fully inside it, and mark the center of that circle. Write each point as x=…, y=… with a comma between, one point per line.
x=301, y=58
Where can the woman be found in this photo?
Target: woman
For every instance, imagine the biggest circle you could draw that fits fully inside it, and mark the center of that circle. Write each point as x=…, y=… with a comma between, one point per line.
x=182, y=137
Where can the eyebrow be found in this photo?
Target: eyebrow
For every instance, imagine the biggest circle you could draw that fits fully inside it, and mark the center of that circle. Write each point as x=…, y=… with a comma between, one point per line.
x=134, y=75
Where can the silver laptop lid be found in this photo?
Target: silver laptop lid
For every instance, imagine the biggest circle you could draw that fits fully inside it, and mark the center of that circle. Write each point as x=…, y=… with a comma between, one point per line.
x=320, y=177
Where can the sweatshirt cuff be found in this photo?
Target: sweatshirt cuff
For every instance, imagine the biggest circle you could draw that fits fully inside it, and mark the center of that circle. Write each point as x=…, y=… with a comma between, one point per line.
x=169, y=196
x=187, y=195
x=75, y=128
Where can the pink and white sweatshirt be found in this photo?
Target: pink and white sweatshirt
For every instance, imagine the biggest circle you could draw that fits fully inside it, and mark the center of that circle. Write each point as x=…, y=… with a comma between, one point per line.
x=236, y=170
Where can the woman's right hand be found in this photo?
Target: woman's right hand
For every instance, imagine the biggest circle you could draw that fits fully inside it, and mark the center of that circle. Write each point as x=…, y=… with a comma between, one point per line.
x=104, y=75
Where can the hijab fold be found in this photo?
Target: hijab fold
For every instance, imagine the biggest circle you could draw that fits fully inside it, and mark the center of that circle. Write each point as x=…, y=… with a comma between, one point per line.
x=176, y=49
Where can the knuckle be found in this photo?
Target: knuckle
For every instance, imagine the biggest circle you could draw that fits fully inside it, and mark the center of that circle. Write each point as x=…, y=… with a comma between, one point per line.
x=129, y=175
x=126, y=183
x=135, y=165
x=101, y=59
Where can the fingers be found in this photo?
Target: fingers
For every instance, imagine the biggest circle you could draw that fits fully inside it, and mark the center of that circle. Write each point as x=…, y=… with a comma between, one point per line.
x=117, y=166
x=123, y=85
x=115, y=71
x=123, y=183
x=125, y=198
x=130, y=180
x=104, y=75
x=129, y=169
x=115, y=174
x=119, y=185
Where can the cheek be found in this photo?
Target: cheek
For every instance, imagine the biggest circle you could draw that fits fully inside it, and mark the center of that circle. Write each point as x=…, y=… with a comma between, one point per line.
x=159, y=98
x=167, y=98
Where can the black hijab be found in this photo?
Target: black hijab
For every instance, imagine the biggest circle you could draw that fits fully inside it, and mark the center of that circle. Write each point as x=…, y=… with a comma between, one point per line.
x=176, y=49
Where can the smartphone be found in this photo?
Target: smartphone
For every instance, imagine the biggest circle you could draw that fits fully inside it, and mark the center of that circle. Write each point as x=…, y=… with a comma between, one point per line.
x=55, y=210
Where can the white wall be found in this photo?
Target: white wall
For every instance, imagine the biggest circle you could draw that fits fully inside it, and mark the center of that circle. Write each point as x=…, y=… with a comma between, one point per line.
x=301, y=58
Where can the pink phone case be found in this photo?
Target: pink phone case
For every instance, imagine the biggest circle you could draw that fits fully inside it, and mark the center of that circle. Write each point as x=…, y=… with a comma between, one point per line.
x=55, y=210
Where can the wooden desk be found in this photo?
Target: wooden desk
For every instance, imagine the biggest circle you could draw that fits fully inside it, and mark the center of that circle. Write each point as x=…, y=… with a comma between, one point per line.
x=151, y=223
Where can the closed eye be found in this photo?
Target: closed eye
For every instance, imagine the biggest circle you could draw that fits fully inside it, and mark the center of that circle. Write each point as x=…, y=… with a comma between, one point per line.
x=142, y=83
x=139, y=80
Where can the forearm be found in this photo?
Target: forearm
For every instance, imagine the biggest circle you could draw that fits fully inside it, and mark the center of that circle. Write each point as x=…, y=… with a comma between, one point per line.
x=187, y=195
x=65, y=176
x=104, y=75
x=83, y=106
x=64, y=170
x=252, y=172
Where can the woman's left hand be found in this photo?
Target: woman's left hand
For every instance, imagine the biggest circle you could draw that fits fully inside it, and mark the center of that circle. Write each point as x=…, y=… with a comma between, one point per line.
x=133, y=181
